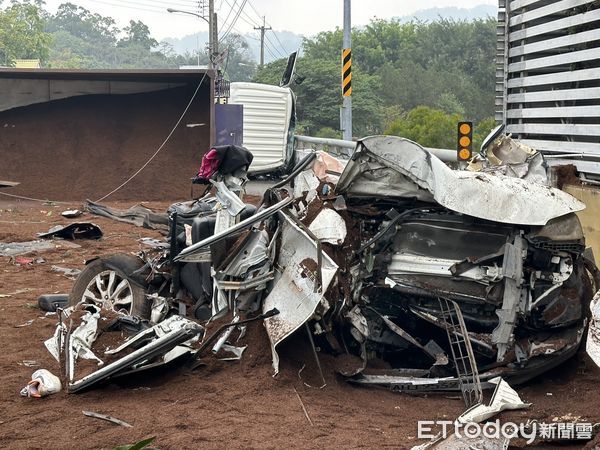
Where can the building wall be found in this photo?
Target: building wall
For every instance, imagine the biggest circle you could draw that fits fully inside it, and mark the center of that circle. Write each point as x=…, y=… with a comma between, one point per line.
x=548, y=76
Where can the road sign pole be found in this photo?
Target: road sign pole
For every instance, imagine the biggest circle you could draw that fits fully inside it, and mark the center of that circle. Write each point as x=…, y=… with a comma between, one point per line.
x=347, y=74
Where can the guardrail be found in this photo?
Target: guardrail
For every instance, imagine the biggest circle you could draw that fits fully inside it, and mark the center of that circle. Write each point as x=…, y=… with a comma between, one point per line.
x=342, y=148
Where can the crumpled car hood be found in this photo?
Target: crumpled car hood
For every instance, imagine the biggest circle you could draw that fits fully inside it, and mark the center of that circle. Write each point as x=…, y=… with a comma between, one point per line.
x=393, y=167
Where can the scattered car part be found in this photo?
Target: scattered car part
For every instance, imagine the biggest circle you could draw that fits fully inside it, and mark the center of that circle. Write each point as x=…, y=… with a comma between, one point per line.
x=593, y=338
x=5, y=184
x=302, y=164
x=491, y=137
x=22, y=261
x=51, y=302
x=462, y=352
x=454, y=442
x=78, y=230
x=512, y=271
x=215, y=335
x=510, y=157
x=188, y=253
x=304, y=274
x=252, y=252
x=225, y=335
x=329, y=227
x=136, y=215
x=236, y=351
x=503, y=398
x=71, y=213
x=155, y=342
x=69, y=273
x=111, y=419
x=22, y=248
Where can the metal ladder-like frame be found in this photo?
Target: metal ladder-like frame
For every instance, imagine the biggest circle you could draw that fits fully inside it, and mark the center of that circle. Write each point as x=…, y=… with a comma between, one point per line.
x=462, y=352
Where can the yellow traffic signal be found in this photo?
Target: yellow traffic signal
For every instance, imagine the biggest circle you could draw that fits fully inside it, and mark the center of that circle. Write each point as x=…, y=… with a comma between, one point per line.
x=464, y=149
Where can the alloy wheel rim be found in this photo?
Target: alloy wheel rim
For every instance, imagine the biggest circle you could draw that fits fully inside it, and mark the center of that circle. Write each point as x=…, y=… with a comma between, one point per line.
x=111, y=291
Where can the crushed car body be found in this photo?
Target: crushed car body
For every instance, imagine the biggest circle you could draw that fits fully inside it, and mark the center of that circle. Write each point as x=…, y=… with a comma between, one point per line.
x=413, y=275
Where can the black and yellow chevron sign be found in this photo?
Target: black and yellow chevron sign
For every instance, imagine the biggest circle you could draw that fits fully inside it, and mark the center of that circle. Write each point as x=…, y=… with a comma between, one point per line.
x=347, y=72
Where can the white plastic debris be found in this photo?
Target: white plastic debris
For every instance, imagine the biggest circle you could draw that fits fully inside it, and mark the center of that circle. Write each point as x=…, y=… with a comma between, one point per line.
x=236, y=352
x=305, y=181
x=81, y=338
x=329, y=227
x=455, y=442
x=84, y=335
x=71, y=213
x=42, y=383
x=592, y=346
x=504, y=398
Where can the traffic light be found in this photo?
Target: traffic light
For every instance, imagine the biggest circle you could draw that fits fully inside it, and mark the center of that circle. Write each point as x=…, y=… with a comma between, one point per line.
x=464, y=145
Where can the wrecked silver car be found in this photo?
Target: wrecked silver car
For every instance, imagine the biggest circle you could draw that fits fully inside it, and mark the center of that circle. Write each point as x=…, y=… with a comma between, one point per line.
x=443, y=277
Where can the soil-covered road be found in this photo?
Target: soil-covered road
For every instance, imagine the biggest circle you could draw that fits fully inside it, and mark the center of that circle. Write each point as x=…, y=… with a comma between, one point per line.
x=223, y=404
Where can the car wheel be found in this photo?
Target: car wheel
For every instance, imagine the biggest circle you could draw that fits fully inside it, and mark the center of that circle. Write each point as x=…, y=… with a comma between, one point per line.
x=108, y=286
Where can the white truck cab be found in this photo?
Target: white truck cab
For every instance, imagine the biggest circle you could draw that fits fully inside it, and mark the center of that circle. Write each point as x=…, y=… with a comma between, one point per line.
x=269, y=120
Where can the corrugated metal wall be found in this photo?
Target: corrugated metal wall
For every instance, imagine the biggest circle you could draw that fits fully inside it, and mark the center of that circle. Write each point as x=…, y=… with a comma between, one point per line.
x=548, y=75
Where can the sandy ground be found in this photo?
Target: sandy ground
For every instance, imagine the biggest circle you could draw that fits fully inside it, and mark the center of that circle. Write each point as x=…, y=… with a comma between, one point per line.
x=223, y=405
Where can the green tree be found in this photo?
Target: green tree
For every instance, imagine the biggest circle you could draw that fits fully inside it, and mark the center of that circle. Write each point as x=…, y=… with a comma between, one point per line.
x=22, y=34
x=482, y=129
x=270, y=73
x=445, y=65
x=328, y=132
x=427, y=126
x=82, y=23
x=239, y=65
x=138, y=34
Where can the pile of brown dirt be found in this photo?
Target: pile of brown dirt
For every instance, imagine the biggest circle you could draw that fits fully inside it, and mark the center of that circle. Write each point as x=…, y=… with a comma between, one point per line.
x=566, y=174
x=84, y=147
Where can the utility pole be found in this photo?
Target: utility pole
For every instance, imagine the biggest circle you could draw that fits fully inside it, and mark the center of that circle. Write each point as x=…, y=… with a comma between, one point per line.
x=262, y=41
x=212, y=32
x=346, y=115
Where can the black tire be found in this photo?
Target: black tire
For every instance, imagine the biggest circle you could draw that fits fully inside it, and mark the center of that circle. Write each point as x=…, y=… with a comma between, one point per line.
x=130, y=298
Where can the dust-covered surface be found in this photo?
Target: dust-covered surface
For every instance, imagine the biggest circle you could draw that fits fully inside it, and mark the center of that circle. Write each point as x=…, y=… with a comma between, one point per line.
x=223, y=404
x=84, y=147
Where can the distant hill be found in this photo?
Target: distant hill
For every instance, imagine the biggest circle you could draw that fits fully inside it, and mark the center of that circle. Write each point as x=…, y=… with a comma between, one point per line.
x=452, y=12
x=274, y=49
x=291, y=41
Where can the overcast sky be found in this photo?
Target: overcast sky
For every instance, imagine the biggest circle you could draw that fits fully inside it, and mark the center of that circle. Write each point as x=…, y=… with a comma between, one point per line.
x=305, y=17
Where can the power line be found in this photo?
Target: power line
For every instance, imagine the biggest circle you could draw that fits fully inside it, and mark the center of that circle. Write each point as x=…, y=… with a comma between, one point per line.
x=255, y=24
x=120, y=5
x=224, y=24
x=165, y=4
x=282, y=55
x=254, y=9
x=142, y=4
x=280, y=44
x=245, y=17
x=235, y=19
x=285, y=52
x=271, y=53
